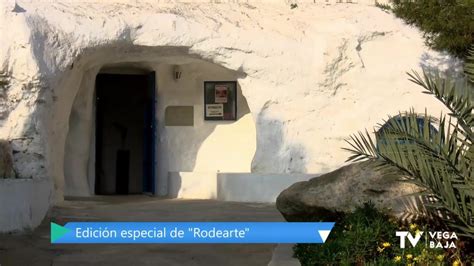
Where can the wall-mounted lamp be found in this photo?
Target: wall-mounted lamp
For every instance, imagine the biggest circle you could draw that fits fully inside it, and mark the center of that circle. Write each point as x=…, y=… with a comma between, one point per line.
x=177, y=72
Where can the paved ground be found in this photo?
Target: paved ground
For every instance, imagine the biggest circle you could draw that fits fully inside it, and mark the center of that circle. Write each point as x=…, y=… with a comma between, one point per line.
x=35, y=248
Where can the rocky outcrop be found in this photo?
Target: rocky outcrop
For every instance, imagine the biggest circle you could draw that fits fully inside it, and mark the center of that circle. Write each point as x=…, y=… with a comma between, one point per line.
x=321, y=198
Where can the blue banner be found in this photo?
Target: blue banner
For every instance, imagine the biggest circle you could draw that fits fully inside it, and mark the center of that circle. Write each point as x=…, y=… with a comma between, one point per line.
x=190, y=232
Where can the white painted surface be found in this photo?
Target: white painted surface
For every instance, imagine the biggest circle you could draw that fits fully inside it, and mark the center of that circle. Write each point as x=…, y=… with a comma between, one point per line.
x=255, y=187
x=208, y=146
x=311, y=76
x=23, y=203
x=307, y=86
x=241, y=187
x=192, y=185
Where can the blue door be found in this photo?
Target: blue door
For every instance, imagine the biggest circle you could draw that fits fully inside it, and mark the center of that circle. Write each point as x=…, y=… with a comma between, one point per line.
x=149, y=149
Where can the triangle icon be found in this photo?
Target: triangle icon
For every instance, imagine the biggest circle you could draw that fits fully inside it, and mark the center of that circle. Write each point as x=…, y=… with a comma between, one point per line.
x=58, y=231
x=324, y=234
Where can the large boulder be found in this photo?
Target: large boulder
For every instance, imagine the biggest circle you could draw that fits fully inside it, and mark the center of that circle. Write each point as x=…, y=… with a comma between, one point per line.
x=322, y=198
x=6, y=160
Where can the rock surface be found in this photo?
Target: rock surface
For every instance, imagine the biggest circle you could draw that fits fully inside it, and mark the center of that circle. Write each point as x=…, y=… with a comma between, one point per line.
x=6, y=160
x=311, y=75
x=342, y=190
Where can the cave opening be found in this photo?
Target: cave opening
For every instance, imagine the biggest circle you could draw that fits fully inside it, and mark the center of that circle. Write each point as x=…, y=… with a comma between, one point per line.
x=125, y=129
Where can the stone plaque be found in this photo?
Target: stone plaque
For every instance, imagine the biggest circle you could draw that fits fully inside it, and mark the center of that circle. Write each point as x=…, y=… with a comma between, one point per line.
x=179, y=116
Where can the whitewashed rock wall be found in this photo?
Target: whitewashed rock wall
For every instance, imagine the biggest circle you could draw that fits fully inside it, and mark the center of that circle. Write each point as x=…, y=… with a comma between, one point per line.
x=311, y=75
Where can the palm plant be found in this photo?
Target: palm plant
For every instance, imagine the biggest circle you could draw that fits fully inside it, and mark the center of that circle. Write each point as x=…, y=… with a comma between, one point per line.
x=3, y=79
x=440, y=161
x=469, y=68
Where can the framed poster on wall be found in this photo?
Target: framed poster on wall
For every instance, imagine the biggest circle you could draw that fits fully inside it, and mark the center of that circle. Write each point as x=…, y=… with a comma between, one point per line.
x=220, y=100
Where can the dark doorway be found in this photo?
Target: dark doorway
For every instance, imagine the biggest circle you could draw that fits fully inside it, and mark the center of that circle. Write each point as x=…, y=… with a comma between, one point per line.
x=125, y=134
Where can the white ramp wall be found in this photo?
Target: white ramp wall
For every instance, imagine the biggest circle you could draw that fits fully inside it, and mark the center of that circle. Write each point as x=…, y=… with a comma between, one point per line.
x=241, y=187
x=255, y=187
x=24, y=203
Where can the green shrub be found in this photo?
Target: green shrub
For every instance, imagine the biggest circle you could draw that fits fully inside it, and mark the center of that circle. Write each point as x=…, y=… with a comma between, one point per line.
x=353, y=239
x=448, y=25
x=3, y=80
x=367, y=237
x=384, y=7
x=469, y=66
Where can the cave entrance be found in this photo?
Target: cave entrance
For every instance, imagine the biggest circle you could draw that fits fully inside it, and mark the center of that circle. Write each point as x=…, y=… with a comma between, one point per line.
x=125, y=134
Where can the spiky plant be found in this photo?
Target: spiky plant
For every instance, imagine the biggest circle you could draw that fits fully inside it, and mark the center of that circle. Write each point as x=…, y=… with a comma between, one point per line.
x=469, y=67
x=441, y=161
x=3, y=79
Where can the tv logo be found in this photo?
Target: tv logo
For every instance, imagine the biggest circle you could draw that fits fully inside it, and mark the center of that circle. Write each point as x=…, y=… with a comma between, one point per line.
x=405, y=234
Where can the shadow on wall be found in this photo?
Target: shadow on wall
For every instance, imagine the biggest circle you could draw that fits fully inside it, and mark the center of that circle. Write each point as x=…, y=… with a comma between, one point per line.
x=216, y=146
x=201, y=140
x=275, y=154
x=33, y=97
x=27, y=193
x=441, y=63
